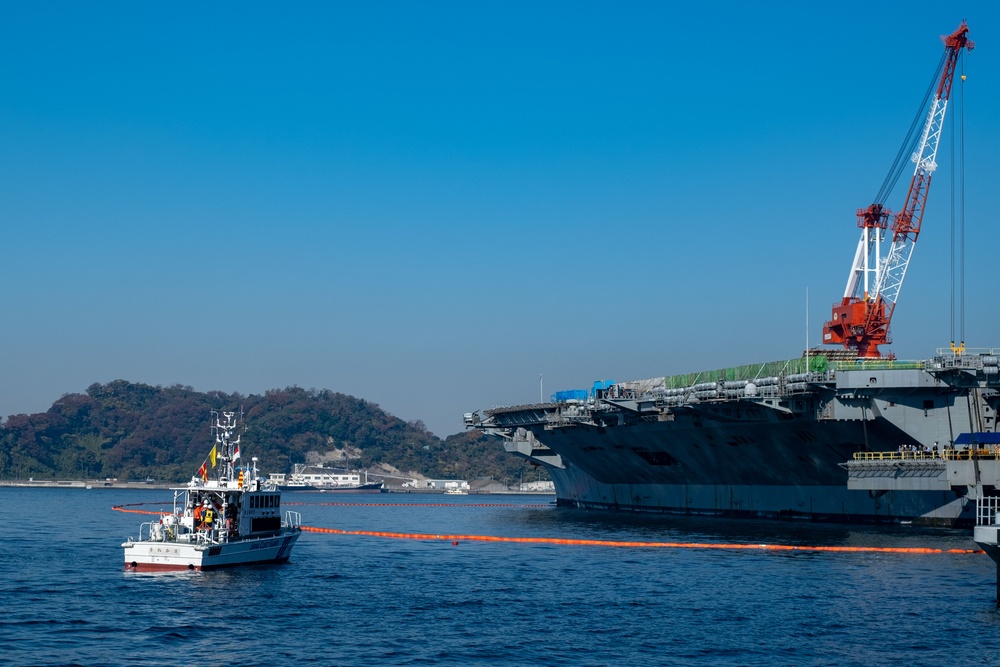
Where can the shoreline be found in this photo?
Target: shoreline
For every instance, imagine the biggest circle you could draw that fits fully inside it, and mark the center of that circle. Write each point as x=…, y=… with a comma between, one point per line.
x=82, y=484
x=118, y=485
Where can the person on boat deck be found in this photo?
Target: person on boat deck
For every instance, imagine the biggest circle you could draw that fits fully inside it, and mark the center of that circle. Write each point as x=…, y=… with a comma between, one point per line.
x=231, y=517
x=207, y=517
x=197, y=515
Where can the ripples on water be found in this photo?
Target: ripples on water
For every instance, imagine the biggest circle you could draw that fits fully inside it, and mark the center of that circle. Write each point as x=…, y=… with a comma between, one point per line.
x=358, y=600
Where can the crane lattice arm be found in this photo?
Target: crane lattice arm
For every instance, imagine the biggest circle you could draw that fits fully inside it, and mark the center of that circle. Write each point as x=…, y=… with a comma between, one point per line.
x=861, y=320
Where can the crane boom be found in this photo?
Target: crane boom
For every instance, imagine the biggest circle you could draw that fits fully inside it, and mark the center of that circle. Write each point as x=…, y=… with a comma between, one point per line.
x=861, y=319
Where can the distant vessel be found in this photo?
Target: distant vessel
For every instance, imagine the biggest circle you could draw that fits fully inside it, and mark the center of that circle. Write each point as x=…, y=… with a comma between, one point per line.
x=822, y=437
x=320, y=478
x=225, y=516
x=454, y=491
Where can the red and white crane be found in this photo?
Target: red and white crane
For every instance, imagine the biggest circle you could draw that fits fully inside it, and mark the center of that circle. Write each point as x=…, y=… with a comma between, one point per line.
x=861, y=320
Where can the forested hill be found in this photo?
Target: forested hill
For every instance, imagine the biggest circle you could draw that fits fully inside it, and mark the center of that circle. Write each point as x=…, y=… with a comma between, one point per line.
x=133, y=431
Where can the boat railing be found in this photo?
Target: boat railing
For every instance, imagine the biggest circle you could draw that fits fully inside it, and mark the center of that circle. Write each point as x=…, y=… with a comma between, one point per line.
x=292, y=519
x=209, y=536
x=146, y=531
x=947, y=455
x=155, y=531
x=988, y=511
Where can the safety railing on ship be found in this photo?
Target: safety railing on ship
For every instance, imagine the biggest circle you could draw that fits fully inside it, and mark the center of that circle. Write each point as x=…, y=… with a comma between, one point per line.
x=988, y=511
x=969, y=351
x=876, y=365
x=947, y=455
x=293, y=519
x=146, y=531
x=154, y=531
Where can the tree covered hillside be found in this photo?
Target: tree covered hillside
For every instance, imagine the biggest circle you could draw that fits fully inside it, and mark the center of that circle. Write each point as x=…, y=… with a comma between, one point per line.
x=133, y=431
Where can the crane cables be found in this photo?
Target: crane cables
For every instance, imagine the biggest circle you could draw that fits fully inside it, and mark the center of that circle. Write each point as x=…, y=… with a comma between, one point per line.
x=958, y=218
x=909, y=144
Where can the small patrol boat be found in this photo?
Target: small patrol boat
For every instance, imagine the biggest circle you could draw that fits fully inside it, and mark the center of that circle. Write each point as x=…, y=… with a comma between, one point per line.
x=226, y=515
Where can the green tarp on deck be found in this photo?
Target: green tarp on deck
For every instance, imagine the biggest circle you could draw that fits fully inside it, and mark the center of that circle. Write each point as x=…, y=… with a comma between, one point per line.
x=750, y=372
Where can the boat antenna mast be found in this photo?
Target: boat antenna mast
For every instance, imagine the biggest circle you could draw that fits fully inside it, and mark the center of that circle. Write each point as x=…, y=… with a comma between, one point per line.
x=227, y=447
x=861, y=319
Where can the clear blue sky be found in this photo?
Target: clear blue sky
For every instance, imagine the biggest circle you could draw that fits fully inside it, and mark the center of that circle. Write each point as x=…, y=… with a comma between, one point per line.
x=431, y=205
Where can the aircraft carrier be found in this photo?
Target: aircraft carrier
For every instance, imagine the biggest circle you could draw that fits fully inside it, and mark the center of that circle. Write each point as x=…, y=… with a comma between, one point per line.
x=839, y=435
x=820, y=437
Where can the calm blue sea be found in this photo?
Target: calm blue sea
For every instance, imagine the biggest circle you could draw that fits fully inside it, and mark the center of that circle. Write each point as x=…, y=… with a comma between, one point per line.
x=358, y=600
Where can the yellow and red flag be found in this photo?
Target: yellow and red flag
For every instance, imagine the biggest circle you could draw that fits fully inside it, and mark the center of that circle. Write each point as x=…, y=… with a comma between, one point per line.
x=203, y=471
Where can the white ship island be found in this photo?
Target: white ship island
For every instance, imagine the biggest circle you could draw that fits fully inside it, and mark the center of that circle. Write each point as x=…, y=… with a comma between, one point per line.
x=227, y=515
x=843, y=434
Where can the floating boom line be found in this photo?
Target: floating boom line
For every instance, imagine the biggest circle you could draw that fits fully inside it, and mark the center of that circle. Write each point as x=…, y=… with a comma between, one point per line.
x=635, y=544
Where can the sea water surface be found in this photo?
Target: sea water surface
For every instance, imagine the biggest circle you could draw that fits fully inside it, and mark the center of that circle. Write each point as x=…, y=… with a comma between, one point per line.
x=365, y=600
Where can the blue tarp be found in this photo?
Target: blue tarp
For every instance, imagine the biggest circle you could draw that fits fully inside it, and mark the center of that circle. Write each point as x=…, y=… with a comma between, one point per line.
x=978, y=438
x=569, y=395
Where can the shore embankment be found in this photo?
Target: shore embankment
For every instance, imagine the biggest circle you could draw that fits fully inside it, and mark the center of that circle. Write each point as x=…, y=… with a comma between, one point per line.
x=82, y=484
x=116, y=484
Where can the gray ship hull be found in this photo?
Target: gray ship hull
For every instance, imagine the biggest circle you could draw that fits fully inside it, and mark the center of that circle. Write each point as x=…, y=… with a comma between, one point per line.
x=756, y=453
x=833, y=503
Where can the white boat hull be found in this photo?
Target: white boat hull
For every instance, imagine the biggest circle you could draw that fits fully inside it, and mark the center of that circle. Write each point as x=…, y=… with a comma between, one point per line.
x=162, y=556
